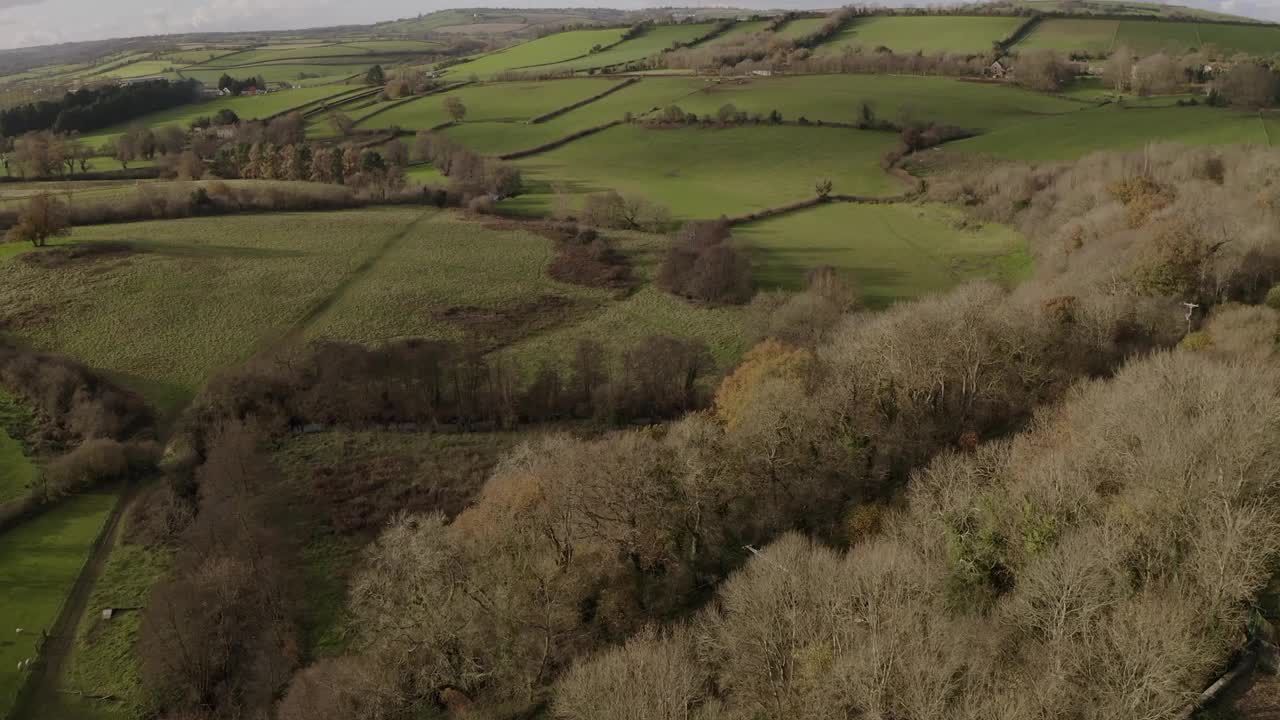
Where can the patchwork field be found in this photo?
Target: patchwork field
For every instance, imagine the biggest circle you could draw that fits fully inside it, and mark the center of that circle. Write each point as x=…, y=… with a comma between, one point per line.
x=543, y=51
x=707, y=173
x=1098, y=37
x=930, y=34
x=839, y=98
x=39, y=562
x=496, y=138
x=1115, y=128
x=503, y=102
x=255, y=107
x=652, y=42
x=196, y=295
x=888, y=252
x=291, y=73
x=801, y=27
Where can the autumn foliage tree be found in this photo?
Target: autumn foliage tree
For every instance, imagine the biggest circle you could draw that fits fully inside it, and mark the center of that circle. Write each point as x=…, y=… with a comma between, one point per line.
x=42, y=217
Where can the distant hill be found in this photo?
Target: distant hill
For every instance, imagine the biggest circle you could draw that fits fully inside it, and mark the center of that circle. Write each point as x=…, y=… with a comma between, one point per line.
x=1149, y=10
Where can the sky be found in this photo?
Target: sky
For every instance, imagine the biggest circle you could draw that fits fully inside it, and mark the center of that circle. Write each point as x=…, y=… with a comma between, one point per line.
x=25, y=23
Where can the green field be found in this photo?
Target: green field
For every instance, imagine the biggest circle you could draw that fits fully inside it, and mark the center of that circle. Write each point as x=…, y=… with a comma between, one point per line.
x=199, y=295
x=801, y=27
x=839, y=98
x=268, y=55
x=502, y=102
x=143, y=68
x=248, y=108
x=17, y=471
x=888, y=252
x=651, y=93
x=439, y=265
x=707, y=173
x=739, y=31
x=1099, y=37
x=290, y=73
x=39, y=562
x=104, y=659
x=543, y=51
x=654, y=41
x=929, y=34
x=1113, y=128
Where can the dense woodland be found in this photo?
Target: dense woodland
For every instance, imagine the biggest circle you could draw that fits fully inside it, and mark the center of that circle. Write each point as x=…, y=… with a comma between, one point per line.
x=1051, y=502
x=1055, y=499
x=94, y=108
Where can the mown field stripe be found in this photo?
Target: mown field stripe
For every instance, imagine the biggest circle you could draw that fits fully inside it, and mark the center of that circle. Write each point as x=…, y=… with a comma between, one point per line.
x=340, y=290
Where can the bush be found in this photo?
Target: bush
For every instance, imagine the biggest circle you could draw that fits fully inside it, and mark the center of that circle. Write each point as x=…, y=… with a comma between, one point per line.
x=703, y=264
x=1273, y=298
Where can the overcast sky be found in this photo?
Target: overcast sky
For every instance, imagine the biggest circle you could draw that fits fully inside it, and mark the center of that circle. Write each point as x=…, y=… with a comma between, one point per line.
x=41, y=22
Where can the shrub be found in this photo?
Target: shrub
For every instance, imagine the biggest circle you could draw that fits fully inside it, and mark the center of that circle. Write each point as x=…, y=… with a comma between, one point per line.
x=1273, y=298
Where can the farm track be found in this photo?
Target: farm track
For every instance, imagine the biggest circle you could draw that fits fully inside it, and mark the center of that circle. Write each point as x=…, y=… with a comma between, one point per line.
x=324, y=304
x=46, y=679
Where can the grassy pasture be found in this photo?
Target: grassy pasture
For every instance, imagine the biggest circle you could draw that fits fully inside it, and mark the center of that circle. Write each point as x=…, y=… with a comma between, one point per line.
x=707, y=173
x=191, y=57
x=39, y=562
x=142, y=68
x=394, y=46
x=1071, y=136
x=907, y=34
x=443, y=264
x=543, y=51
x=839, y=98
x=654, y=41
x=248, y=108
x=17, y=471
x=1098, y=37
x=801, y=27
x=286, y=72
x=104, y=659
x=647, y=311
x=889, y=252
x=1253, y=39
x=268, y=55
x=197, y=295
x=495, y=138
x=501, y=102
x=740, y=29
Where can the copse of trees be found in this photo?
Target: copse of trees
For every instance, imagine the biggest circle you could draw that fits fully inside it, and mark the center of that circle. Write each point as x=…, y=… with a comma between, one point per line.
x=1043, y=70
x=469, y=174
x=1248, y=85
x=238, y=86
x=1190, y=223
x=1046, y=562
x=94, y=108
x=702, y=263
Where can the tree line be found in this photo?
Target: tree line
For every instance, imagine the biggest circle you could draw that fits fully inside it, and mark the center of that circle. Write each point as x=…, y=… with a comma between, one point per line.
x=94, y=108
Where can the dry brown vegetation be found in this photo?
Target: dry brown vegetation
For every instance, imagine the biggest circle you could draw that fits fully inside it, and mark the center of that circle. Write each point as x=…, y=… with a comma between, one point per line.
x=981, y=504
x=1198, y=224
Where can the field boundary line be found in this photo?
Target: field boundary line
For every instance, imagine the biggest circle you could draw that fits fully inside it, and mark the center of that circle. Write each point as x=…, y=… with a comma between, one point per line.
x=299, y=108
x=324, y=304
x=1265, y=132
x=554, y=144
x=613, y=88
x=406, y=101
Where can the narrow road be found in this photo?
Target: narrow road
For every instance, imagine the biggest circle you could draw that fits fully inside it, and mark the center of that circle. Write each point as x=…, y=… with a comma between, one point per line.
x=46, y=678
